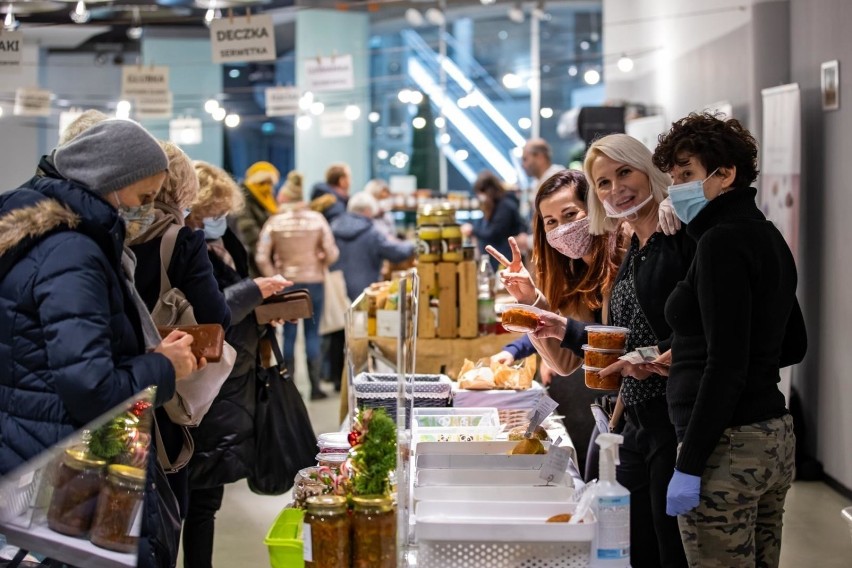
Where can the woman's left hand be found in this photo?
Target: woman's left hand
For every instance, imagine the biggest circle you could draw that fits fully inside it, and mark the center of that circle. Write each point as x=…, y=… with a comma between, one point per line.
x=269, y=285
x=625, y=369
x=660, y=365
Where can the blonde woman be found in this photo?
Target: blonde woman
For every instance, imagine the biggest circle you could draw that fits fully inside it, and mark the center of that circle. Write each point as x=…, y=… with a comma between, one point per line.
x=224, y=441
x=297, y=244
x=627, y=187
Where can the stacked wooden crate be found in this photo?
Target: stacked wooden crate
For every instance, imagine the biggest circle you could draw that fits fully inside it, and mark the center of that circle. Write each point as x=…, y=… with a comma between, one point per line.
x=453, y=284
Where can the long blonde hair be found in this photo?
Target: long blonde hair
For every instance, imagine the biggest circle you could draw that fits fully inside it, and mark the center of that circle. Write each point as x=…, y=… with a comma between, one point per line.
x=626, y=150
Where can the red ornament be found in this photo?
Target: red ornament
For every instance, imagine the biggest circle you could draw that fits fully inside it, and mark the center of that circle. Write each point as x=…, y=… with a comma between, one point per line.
x=352, y=438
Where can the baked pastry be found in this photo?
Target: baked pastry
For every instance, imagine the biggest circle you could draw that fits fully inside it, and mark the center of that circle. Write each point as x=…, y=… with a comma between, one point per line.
x=528, y=446
x=560, y=518
x=519, y=320
x=479, y=378
x=516, y=434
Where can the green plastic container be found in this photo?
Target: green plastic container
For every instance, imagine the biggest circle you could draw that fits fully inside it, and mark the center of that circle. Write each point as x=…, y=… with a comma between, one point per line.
x=284, y=540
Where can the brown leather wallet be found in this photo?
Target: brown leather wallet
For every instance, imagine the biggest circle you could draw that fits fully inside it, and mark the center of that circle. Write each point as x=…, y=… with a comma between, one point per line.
x=208, y=339
x=288, y=306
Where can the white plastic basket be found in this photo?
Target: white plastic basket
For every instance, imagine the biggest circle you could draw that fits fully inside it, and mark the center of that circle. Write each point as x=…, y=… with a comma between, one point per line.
x=847, y=514
x=500, y=535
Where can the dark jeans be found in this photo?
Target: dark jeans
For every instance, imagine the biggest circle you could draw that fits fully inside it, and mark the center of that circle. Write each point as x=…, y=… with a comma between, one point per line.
x=336, y=356
x=198, y=526
x=647, y=462
x=312, y=341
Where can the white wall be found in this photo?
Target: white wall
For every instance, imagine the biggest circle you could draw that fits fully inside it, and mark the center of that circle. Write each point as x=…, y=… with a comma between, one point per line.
x=819, y=35
x=19, y=140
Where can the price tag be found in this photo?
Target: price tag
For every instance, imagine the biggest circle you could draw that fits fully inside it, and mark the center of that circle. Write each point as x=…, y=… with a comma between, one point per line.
x=555, y=464
x=542, y=410
x=307, y=543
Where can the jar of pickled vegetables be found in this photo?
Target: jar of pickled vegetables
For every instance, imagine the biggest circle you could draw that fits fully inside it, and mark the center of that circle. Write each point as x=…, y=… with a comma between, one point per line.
x=451, y=243
x=429, y=243
x=373, y=532
x=119, y=514
x=325, y=533
x=78, y=481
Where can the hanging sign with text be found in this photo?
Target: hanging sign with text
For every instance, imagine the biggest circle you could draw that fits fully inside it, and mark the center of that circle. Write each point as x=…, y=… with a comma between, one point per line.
x=249, y=38
x=282, y=101
x=11, y=51
x=154, y=106
x=32, y=102
x=334, y=124
x=185, y=131
x=329, y=73
x=144, y=81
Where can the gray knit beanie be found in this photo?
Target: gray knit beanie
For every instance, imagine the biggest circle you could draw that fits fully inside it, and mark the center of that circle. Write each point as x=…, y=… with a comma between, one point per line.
x=110, y=156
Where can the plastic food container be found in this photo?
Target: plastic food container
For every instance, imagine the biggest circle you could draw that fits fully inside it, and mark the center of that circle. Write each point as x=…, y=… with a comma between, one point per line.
x=607, y=337
x=601, y=358
x=284, y=540
x=333, y=461
x=333, y=443
x=594, y=380
x=520, y=318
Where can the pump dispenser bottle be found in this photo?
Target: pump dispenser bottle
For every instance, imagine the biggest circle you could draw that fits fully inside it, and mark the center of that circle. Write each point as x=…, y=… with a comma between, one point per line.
x=611, y=505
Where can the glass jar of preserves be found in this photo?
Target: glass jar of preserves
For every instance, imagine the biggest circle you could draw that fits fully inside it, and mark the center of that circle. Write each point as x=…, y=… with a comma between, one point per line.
x=326, y=532
x=429, y=243
x=373, y=532
x=451, y=243
x=78, y=481
x=119, y=514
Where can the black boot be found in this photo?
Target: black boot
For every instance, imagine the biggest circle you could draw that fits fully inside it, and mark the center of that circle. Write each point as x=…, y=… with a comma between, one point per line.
x=314, y=366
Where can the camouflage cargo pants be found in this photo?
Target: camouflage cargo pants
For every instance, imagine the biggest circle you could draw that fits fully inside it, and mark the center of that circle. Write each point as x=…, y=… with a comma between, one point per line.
x=738, y=520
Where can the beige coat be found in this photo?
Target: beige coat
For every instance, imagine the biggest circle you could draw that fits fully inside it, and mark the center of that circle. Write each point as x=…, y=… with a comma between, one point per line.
x=296, y=243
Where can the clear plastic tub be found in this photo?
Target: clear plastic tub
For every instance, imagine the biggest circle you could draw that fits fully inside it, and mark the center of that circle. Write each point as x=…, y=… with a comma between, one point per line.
x=607, y=336
x=333, y=443
x=455, y=425
x=601, y=358
x=594, y=380
x=520, y=318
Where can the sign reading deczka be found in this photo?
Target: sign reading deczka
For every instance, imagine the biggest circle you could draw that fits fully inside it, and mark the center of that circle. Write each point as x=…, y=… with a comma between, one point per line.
x=329, y=74
x=11, y=51
x=250, y=38
x=144, y=81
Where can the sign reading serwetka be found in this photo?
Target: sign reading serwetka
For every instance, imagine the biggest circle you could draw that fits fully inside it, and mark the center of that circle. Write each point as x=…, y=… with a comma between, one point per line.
x=242, y=39
x=11, y=51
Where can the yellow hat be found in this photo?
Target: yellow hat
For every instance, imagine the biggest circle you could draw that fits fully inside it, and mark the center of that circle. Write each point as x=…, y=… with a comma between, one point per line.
x=262, y=167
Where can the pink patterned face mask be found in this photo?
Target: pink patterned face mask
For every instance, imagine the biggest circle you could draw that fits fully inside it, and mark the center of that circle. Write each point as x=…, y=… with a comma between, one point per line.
x=571, y=239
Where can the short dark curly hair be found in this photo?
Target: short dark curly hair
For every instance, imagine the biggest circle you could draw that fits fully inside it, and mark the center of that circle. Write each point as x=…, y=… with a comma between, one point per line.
x=712, y=141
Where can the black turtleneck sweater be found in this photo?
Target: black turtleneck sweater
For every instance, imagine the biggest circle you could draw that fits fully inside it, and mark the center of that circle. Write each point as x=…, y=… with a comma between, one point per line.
x=736, y=322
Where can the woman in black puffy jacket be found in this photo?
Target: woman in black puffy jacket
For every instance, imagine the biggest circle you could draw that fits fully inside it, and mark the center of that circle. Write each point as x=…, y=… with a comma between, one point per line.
x=224, y=441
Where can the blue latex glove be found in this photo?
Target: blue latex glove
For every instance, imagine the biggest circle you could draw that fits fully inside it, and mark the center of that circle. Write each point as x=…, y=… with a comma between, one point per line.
x=683, y=493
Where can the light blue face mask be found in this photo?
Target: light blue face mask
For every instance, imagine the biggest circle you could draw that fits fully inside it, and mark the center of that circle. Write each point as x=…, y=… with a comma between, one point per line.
x=215, y=227
x=688, y=198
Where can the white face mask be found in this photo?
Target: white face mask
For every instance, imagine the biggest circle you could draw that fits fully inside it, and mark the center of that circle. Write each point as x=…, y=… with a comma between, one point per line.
x=614, y=213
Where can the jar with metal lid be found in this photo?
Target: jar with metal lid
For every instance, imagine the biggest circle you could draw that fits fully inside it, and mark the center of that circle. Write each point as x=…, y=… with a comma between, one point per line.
x=451, y=243
x=78, y=481
x=325, y=533
x=119, y=514
x=373, y=532
x=429, y=243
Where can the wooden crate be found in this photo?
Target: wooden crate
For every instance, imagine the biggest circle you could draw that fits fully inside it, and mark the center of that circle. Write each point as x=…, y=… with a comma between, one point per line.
x=454, y=285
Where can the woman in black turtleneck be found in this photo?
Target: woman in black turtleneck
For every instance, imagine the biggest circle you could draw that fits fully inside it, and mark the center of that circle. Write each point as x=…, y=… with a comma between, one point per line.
x=736, y=322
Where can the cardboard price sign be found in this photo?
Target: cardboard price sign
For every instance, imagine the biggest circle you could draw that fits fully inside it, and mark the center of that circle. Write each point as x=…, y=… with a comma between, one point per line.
x=144, y=81
x=542, y=410
x=11, y=51
x=249, y=38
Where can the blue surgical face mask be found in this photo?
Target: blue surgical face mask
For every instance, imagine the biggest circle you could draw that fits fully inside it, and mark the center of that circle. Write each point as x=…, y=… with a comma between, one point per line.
x=136, y=219
x=688, y=198
x=215, y=227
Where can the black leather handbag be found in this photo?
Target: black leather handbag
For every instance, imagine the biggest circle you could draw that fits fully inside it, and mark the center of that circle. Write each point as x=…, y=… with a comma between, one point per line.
x=284, y=437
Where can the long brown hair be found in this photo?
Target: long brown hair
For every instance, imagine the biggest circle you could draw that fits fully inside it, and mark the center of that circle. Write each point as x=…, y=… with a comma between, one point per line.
x=569, y=283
